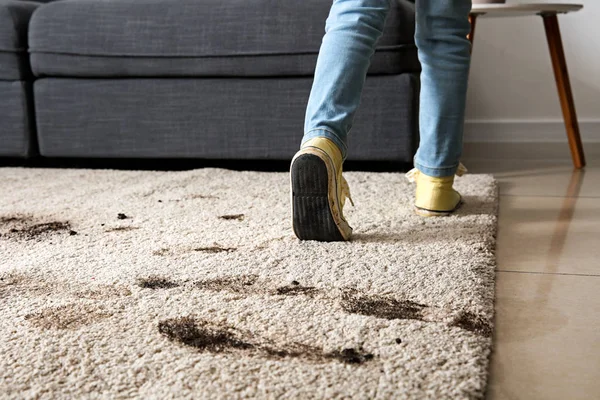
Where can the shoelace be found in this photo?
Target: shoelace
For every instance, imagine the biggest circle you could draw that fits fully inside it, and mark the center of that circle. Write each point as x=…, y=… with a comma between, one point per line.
x=414, y=173
x=345, y=193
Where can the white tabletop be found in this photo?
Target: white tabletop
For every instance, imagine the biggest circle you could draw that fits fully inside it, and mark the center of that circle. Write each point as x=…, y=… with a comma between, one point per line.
x=515, y=10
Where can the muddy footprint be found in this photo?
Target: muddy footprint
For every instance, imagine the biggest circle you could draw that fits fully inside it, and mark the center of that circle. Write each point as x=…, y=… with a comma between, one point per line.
x=24, y=227
x=220, y=338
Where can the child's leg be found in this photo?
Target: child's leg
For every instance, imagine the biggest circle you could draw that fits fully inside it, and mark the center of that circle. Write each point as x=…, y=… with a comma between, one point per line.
x=318, y=188
x=444, y=53
x=352, y=30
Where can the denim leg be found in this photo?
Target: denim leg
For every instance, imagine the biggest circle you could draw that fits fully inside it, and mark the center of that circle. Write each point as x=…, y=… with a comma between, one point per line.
x=351, y=32
x=444, y=53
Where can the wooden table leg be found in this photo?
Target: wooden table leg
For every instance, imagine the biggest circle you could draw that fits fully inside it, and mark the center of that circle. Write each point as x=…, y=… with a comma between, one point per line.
x=473, y=21
x=564, y=88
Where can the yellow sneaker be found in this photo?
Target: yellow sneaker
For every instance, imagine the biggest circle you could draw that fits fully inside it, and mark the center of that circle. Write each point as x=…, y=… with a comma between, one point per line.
x=319, y=192
x=435, y=196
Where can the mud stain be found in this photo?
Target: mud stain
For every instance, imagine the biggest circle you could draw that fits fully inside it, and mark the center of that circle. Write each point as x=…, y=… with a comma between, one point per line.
x=55, y=226
x=156, y=282
x=473, y=323
x=20, y=284
x=234, y=284
x=8, y=283
x=12, y=219
x=101, y=292
x=215, y=249
x=202, y=196
x=122, y=229
x=381, y=307
x=296, y=289
x=206, y=336
x=237, y=217
x=309, y=353
x=162, y=252
x=390, y=308
x=25, y=228
x=350, y=356
x=200, y=335
x=238, y=284
x=70, y=316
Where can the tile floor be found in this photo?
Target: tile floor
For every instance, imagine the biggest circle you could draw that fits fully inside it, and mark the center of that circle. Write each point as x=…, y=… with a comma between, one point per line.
x=547, y=337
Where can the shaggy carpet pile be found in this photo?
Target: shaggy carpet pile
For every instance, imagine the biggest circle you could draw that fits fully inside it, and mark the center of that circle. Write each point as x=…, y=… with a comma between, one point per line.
x=142, y=284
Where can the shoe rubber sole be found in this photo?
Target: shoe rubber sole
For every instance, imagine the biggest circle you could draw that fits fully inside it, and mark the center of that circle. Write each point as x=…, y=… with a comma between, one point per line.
x=423, y=212
x=312, y=217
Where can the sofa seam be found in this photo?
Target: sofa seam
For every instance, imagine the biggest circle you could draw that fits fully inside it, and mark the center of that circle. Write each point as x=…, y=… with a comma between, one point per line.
x=390, y=49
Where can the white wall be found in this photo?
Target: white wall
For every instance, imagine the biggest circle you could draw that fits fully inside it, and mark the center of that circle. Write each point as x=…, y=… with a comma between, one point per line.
x=512, y=93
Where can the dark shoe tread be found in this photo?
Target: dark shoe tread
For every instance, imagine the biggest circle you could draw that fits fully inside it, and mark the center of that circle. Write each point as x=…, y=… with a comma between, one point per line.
x=312, y=218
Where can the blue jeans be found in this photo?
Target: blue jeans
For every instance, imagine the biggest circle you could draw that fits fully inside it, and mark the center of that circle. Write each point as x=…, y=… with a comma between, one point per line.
x=352, y=30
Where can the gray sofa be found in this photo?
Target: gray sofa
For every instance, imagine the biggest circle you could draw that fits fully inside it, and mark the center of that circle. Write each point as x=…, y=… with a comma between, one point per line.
x=210, y=79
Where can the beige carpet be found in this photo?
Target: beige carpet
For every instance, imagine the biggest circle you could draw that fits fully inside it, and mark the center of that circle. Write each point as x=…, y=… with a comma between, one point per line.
x=136, y=284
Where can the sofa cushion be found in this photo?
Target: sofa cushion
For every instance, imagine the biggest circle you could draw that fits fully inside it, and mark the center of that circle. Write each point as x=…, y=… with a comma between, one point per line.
x=14, y=20
x=207, y=118
x=199, y=38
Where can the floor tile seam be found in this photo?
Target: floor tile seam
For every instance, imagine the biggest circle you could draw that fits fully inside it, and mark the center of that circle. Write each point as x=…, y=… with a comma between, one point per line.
x=547, y=273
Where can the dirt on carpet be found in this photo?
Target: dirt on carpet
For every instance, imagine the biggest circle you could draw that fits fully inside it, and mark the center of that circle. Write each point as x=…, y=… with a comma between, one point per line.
x=206, y=336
